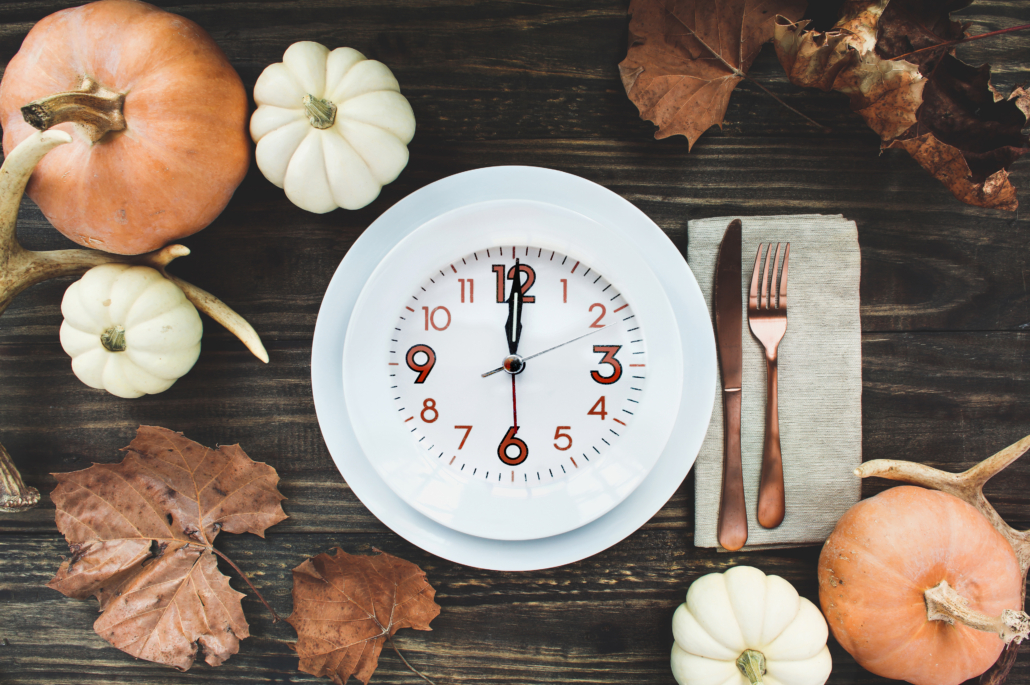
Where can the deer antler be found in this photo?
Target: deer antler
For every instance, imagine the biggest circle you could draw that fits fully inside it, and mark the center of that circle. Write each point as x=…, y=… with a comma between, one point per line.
x=968, y=486
x=21, y=268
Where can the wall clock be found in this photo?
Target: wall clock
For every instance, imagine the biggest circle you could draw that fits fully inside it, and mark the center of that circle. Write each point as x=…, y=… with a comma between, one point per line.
x=512, y=368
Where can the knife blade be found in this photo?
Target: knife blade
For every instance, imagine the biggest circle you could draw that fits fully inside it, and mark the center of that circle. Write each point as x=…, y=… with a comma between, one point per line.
x=727, y=302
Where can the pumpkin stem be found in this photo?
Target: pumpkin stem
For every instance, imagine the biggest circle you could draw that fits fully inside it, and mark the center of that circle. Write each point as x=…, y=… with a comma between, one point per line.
x=14, y=494
x=943, y=603
x=95, y=108
x=113, y=339
x=752, y=664
x=321, y=113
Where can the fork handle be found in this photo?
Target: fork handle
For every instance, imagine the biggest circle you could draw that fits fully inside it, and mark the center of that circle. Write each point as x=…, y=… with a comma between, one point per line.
x=771, y=501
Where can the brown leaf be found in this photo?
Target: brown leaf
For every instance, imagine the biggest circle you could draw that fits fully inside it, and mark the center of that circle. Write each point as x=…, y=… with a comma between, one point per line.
x=345, y=607
x=944, y=113
x=141, y=534
x=686, y=56
x=886, y=94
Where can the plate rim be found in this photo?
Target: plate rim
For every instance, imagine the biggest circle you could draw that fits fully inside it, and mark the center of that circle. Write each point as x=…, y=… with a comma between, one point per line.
x=499, y=183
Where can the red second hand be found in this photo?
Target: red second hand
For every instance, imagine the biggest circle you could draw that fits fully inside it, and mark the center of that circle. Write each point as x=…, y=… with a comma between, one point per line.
x=514, y=410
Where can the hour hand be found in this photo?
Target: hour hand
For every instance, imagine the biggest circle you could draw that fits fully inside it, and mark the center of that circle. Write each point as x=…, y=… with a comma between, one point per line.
x=513, y=327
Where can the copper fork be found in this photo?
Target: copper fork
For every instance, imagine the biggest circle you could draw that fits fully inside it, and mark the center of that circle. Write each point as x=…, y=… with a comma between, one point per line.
x=767, y=317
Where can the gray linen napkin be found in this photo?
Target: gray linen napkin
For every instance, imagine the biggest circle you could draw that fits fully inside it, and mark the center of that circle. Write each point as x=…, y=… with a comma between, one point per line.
x=820, y=379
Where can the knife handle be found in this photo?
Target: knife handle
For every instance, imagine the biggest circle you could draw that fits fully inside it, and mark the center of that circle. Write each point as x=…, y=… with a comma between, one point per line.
x=732, y=530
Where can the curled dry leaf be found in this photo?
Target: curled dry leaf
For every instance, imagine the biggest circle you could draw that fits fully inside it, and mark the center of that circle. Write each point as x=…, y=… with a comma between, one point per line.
x=686, y=56
x=141, y=534
x=345, y=607
x=944, y=113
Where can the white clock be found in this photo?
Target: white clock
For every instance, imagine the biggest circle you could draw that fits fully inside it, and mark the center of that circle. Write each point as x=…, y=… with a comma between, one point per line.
x=513, y=370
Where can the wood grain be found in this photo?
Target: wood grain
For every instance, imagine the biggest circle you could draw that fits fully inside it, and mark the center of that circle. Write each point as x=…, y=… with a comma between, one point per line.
x=945, y=314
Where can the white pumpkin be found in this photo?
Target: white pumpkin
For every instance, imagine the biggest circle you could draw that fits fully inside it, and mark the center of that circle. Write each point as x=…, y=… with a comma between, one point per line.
x=331, y=128
x=129, y=330
x=743, y=620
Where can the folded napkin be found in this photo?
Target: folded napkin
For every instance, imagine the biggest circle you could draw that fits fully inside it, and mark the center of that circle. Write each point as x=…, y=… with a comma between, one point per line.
x=820, y=379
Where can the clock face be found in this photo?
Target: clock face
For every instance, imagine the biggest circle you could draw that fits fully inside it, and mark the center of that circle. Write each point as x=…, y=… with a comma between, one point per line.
x=516, y=377
x=512, y=370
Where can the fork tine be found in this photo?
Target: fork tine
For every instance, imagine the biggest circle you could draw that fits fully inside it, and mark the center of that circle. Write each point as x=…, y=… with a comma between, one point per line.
x=775, y=276
x=765, y=278
x=752, y=299
x=783, y=279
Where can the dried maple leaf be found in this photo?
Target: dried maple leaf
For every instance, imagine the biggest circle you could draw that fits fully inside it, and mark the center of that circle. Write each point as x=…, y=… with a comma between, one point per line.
x=944, y=113
x=345, y=607
x=685, y=57
x=141, y=535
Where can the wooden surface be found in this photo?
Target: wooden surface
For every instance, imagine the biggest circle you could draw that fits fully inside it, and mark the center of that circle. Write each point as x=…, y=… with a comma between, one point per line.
x=945, y=318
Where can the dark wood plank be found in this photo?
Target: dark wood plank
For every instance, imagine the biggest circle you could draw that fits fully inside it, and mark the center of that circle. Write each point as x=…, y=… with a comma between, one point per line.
x=947, y=399
x=603, y=620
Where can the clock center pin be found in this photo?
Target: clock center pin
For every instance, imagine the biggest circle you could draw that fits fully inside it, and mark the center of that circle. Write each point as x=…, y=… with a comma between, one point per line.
x=514, y=364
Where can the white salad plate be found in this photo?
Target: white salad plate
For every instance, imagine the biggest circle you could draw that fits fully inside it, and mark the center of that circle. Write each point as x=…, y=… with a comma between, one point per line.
x=566, y=193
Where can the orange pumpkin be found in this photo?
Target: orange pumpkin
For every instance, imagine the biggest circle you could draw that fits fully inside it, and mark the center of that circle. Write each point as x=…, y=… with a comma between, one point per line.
x=159, y=116
x=877, y=566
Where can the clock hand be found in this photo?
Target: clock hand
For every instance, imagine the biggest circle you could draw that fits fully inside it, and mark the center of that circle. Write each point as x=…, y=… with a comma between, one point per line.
x=549, y=349
x=513, y=327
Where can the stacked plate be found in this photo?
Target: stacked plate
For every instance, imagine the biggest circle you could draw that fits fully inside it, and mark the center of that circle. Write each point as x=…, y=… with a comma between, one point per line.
x=473, y=503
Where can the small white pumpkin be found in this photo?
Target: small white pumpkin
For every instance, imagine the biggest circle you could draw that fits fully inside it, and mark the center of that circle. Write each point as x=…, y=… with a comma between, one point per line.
x=129, y=330
x=742, y=627
x=331, y=128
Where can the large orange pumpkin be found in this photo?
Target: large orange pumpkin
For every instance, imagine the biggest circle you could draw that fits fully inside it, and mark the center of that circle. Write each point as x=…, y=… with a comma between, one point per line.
x=880, y=560
x=183, y=149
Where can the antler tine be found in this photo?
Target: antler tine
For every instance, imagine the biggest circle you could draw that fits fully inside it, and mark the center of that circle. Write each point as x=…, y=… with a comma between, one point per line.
x=967, y=486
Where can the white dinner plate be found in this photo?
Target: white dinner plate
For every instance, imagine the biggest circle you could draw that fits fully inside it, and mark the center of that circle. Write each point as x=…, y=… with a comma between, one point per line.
x=570, y=193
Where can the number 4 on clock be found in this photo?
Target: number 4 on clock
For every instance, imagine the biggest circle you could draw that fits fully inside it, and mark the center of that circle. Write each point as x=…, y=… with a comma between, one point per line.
x=598, y=409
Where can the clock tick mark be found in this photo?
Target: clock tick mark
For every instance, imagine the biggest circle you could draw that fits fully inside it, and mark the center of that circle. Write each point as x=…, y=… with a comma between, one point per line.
x=615, y=298
x=637, y=389
x=585, y=456
x=551, y=472
x=633, y=401
x=574, y=462
x=408, y=419
x=563, y=468
x=453, y=269
x=613, y=433
x=443, y=274
x=574, y=268
x=616, y=311
x=462, y=468
x=597, y=279
x=605, y=441
x=633, y=316
x=452, y=460
x=474, y=471
x=595, y=449
x=422, y=438
x=633, y=329
x=619, y=421
x=640, y=377
x=424, y=290
x=628, y=412
x=563, y=264
x=432, y=281
x=552, y=258
x=393, y=364
x=606, y=287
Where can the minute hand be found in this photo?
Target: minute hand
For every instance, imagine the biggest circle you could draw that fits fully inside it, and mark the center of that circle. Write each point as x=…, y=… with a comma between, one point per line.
x=549, y=349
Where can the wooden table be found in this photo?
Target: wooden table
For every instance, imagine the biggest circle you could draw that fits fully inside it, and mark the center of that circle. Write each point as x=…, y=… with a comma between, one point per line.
x=945, y=319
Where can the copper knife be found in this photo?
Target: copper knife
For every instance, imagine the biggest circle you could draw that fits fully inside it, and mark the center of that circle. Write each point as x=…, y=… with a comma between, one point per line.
x=728, y=306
